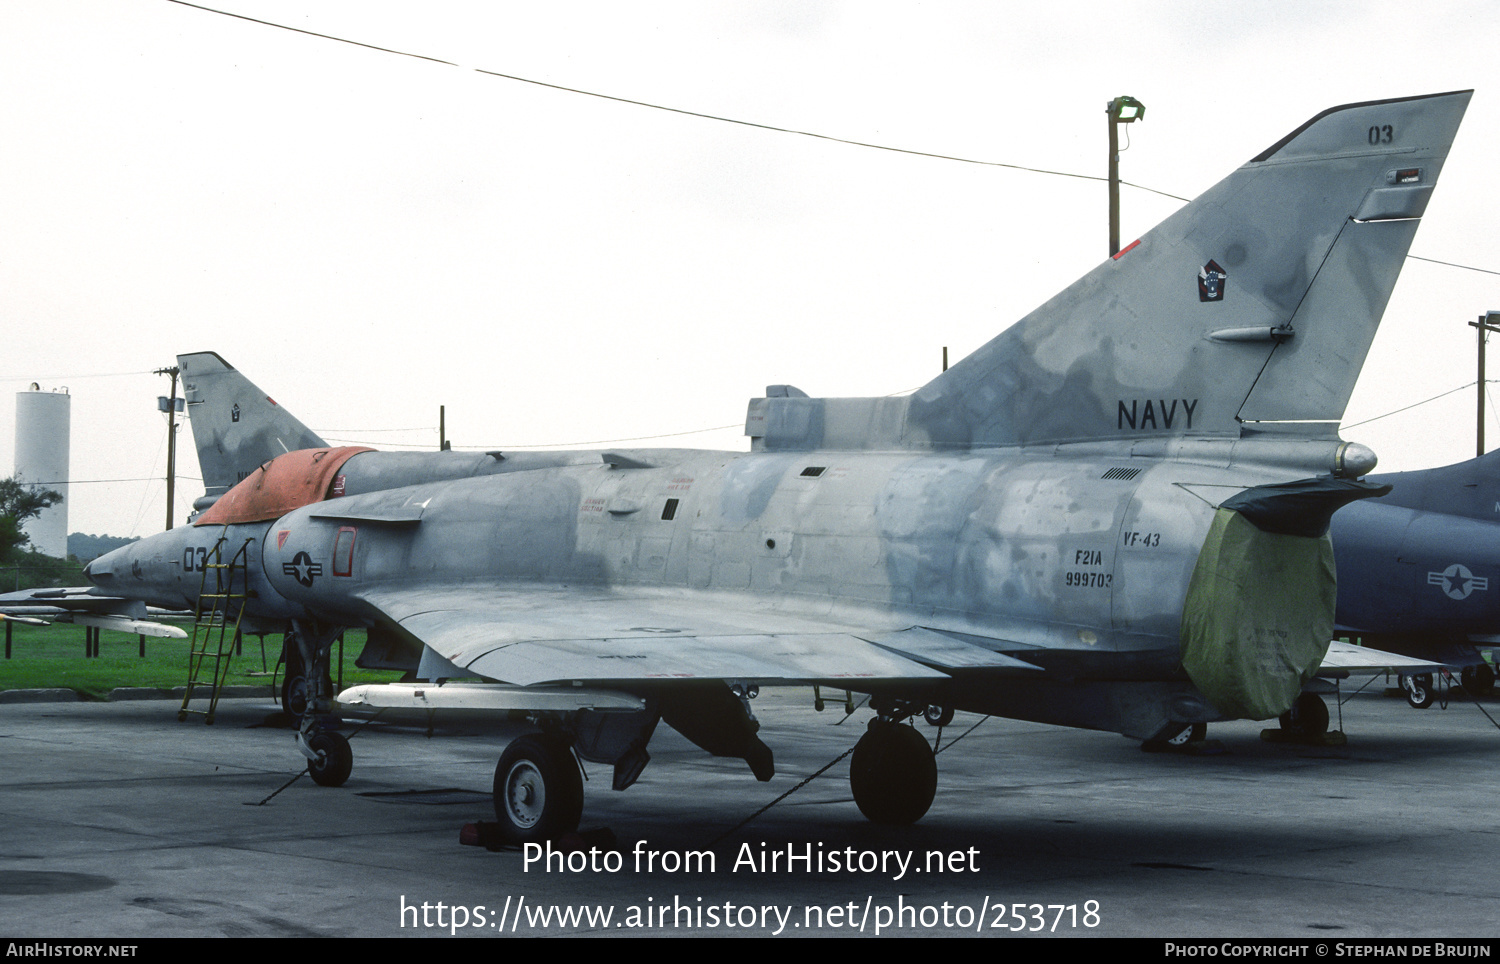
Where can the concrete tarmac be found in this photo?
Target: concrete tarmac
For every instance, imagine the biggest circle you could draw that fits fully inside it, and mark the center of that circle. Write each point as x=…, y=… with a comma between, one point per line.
x=117, y=821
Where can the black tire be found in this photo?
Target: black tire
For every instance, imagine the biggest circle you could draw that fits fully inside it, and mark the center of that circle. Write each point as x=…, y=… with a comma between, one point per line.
x=938, y=715
x=1418, y=690
x=294, y=696
x=335, y=759
x=1479, y=680
x=538, y=790
x=1308, y=716
x=1175, y=736
x=295, y=689
x=893, y=774
x=293, y=682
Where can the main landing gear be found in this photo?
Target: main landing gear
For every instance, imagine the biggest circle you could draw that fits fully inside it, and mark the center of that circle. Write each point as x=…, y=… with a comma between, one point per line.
x=1418, y=688
x=1176, y=736
x=538, y=789
x=1307, y=719
x=1306, y=722
x=893, y=772
x=938, y=715
x=1479, y=680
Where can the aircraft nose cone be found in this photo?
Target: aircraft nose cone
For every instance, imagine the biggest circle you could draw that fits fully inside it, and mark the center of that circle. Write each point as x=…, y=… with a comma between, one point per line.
x=102, y=570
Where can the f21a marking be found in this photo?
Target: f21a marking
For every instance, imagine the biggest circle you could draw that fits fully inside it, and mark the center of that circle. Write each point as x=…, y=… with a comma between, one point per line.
x=1156, y=413
x=1088, y=580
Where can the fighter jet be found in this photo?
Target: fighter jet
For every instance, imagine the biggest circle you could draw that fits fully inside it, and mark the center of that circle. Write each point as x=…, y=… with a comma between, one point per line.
x=1113, y=515
x=1418, y=570
x=238, y=428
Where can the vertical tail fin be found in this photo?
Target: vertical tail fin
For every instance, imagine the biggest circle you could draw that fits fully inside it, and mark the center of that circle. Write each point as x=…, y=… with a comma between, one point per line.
x=1255, y=302
x=236, y=426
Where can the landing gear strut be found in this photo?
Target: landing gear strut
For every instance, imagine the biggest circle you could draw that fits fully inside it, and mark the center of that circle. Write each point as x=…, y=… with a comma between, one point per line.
x=308, y=692
x=293, y=682
x=893, y=773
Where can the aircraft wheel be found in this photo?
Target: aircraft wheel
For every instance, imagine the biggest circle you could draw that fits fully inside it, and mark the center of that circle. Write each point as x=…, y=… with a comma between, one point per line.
x=1308, y=716
x=296, y=688
x=893, y=774
x=1418, y=690
x=335, y=759
x=293, y=683
x=1479, y=680
x=294, y=695
x=938, y=715
x=1184, y=734
x=538, y=790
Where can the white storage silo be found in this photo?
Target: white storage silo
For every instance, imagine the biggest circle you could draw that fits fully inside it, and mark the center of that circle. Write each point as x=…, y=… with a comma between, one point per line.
x=42, y=425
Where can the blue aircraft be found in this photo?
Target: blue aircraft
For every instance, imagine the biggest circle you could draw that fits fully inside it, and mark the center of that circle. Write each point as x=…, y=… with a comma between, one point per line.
x=1419, y=570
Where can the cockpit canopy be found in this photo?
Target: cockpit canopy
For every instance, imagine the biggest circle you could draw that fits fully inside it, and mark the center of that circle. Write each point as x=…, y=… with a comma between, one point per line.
x=285, y=483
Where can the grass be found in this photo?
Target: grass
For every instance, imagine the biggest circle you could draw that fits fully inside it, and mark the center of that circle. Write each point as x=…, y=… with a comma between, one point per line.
x=44, y=658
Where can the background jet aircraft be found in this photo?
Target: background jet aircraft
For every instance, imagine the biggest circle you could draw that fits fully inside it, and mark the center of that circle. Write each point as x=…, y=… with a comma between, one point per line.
x=237, y=428
x=1419, y=570
x=1089, y=521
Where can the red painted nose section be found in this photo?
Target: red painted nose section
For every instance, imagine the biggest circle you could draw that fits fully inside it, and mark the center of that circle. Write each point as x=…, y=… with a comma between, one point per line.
x=285, y=483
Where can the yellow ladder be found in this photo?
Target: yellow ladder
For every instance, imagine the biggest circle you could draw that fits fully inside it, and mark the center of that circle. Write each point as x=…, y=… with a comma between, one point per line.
x=216, y=626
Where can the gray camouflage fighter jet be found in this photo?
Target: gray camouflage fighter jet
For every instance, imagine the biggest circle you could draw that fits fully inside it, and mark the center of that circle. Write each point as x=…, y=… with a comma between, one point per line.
x=1113, y=516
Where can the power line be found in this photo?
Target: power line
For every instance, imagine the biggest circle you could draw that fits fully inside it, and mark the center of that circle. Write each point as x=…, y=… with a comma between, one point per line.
x=312, y=33
x=374, y=431
x=1424, y=401
x=58, y=378
x=1453, y=265
x=663, y=107
x=605, y=441
x=149, y=478
x=719, y=117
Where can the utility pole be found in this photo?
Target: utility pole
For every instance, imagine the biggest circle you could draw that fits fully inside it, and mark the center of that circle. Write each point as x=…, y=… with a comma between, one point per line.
x=1487, y=322
x=1121, y=110
x=171, y=407
x=443, y=445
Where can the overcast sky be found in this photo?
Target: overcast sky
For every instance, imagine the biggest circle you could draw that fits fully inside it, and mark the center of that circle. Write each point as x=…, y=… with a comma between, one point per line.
x=369, y=236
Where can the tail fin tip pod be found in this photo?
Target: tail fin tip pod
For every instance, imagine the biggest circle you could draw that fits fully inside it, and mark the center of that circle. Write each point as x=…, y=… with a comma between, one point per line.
x=236, y=426
x=1255, y=302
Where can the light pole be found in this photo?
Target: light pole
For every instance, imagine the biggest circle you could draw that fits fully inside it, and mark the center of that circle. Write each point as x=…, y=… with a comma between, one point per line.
x=171, y=406
x=1121, y=110
x=1490, y=321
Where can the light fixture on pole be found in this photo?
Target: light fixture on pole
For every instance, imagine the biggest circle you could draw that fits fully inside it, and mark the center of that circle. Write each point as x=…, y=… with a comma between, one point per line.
x=1121, y=110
